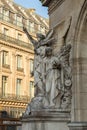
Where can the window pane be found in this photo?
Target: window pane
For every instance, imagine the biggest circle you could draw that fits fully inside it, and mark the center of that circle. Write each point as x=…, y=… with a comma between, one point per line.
x=5, y=58
x=18, y=87
x=31, y=89
x=19, y=61
x=31, y=67
x=31, y=26
x=19, y=21
x=6, y=15
x=5, y=31
x=4, y=85
x=19, y=36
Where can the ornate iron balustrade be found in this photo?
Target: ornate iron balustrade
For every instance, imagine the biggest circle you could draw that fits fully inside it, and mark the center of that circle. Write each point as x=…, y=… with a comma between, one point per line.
x=19, y=24
x=8, y=19
x=14, y=97
x=15, y=41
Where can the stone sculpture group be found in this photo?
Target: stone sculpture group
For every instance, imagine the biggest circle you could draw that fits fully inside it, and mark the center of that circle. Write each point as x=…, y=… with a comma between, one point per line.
x=52, y=75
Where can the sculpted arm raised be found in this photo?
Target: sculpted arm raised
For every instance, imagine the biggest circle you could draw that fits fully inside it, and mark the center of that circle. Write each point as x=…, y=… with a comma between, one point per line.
x=34, y=42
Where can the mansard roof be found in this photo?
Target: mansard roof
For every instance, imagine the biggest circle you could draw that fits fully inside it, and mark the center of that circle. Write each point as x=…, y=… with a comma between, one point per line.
x=28, y=14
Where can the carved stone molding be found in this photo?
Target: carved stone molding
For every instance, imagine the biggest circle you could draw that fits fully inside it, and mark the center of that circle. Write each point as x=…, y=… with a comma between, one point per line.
x=45, y=2
x=54, y=3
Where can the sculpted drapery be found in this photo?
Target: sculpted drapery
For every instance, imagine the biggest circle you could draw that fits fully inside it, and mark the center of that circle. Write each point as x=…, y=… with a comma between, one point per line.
x=52, y=74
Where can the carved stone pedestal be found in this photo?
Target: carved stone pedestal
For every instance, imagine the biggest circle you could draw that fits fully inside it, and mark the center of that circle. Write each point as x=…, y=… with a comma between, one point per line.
x=46, y=120
x=78, y=126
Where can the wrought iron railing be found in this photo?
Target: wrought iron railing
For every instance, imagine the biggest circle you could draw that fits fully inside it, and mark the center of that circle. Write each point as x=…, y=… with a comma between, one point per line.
x=14, y=97
x=20, y=24
x=8, y=19
x=15, y=41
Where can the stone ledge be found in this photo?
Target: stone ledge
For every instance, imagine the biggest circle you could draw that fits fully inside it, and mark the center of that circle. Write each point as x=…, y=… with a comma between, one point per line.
x=50, y=115
x=78, y=125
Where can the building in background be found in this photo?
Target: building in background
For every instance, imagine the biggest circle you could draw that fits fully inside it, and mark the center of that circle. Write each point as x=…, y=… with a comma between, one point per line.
x=16, y=55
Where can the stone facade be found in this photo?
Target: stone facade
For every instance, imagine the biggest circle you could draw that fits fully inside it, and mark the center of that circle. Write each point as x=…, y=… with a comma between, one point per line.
x=60, y=11
x=16, y=55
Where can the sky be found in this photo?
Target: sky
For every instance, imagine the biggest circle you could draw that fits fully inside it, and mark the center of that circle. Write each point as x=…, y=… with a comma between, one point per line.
x=36, y=4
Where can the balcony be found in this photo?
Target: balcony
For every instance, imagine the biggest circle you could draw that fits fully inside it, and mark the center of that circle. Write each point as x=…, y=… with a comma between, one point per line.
x=18, y=23
x=20, y=69
x=9, y=20
x=14, y=97
x=15, y=41
x=6, y=66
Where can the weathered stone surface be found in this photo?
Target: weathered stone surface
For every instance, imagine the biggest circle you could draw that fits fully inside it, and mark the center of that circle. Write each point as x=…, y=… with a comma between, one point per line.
x=78, y=126
x=77, y=36
x=52, y=72
x=47, y=120
x=68, y=20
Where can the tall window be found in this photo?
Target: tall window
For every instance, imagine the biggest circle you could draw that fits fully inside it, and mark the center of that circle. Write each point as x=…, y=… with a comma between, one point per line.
x=31, y=27
x=19, y=21
x=19, y=61
x=5, y=58
x=4, y=85
x=41, y=29
x=31, y=67
x=5, y=31
x=19, y=36
x=6, y=15
x=1, y=15
x=18, y=87
x=31, y=89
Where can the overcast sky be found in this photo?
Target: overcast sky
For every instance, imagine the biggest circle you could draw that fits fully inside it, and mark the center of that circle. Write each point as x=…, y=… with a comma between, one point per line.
x=36, y=4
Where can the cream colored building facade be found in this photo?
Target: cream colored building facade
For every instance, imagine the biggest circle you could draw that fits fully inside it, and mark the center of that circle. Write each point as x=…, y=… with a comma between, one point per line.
x=16, y=55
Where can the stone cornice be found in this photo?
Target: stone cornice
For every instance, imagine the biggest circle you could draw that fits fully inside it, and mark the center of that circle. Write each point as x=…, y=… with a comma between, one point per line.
x=55, y=3
x=52, y=4
x=16, y=47
x=45, y=2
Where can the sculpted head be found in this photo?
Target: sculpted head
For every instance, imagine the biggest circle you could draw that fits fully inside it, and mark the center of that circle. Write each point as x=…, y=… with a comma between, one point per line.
x=40, y=36
x=48, y=51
